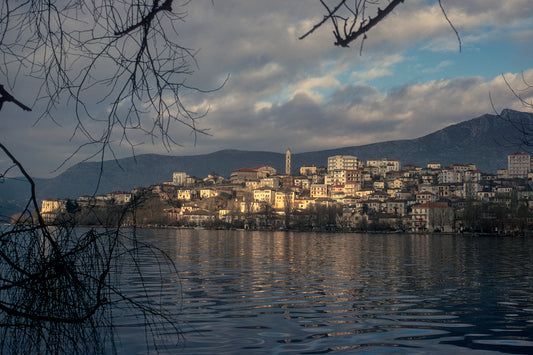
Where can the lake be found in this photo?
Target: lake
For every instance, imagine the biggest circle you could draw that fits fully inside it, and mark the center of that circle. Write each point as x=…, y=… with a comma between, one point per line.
x=242, y=292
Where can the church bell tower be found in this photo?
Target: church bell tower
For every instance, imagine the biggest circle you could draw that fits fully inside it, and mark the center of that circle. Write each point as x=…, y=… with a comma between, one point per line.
x=288, y=162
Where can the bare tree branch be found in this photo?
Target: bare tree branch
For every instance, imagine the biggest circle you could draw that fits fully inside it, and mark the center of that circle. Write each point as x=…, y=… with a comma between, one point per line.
x=7, y=97
x=355, y=17
x=58, y=285
x=451, y=25
x=345, y=41
x=120, y=64
x=350, y=21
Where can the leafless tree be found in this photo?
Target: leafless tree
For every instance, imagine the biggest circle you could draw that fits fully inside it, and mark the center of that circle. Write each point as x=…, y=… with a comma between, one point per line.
x=125, y=56
x=59, y=286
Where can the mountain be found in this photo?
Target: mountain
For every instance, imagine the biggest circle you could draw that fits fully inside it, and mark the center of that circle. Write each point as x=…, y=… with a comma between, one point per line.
x=485, y=141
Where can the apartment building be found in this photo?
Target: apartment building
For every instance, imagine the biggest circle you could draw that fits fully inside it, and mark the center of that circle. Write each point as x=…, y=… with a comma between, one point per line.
x=343, y=162
x=518, y=165
x=179, y=178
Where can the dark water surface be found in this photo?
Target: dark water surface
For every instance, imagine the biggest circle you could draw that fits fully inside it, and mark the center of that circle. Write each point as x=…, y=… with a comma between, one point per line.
x=280, y=293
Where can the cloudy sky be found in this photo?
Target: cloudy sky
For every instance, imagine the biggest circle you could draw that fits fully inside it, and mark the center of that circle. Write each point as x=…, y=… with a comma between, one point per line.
x=409, y=80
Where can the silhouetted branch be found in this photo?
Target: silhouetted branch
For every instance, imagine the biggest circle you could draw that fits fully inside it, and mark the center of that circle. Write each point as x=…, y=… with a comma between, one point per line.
x=350, y=21
x=60, y=286
x=523, y=126
x=7, y=97
x=119, y=63
x=146, y=20
x=451, y=25
x=343, y=25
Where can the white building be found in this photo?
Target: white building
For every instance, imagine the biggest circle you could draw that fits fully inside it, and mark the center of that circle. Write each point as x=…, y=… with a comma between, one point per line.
x=343, y=162
x=179, y=179
x=302, y=182
x=384, y=165
x=319, y=190
x=432, y=216
x=518, y=165
x=208, y=193
x=284, y=199
x=450, y=176
x=50, y=208
x=271, y=182
x=185, y=195
x=264, y=195
x=335, y=177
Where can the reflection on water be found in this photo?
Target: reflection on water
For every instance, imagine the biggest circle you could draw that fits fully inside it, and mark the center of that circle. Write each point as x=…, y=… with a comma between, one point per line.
x=276, y=292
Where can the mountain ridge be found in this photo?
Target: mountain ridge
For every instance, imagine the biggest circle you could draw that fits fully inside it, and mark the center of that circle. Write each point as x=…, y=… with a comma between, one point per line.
x=485, y=141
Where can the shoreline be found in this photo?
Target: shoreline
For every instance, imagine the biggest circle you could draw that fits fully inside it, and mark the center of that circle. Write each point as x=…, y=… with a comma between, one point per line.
x=325, y=231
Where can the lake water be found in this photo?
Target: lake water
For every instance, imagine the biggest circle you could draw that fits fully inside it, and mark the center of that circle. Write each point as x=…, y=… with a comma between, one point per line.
x=280, y=293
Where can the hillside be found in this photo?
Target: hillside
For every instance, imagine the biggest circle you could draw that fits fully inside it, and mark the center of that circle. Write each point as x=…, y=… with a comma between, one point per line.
x=485, y=141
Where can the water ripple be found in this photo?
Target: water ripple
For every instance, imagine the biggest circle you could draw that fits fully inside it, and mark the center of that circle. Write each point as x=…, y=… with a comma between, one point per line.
x=287, y=293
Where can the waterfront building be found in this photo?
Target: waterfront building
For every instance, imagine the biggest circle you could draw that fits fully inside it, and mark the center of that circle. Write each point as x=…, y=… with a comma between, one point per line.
x=284, y=199
x=51, y=208
x=265, y=195
x=395, y=207
x=432, y=216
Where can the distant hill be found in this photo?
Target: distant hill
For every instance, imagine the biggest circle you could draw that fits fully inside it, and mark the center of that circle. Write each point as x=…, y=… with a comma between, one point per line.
x=485, y=141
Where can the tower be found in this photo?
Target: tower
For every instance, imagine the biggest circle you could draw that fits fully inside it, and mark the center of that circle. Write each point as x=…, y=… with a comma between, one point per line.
x=288, y=162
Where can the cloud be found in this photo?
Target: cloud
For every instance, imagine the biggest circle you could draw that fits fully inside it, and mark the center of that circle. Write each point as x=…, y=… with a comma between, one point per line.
x=355, y=115
x=442, y=65
x=375, y=67
x=308, y=94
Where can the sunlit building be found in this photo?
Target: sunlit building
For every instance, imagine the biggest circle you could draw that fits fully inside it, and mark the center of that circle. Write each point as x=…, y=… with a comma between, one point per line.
x=518, y=165
x=343, y=162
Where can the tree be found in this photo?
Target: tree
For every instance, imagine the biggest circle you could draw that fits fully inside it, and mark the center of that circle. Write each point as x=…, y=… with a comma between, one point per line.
x=58, y=285
x=124, y=55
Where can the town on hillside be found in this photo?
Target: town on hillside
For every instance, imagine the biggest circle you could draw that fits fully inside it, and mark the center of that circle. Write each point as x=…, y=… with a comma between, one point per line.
x=347, y=195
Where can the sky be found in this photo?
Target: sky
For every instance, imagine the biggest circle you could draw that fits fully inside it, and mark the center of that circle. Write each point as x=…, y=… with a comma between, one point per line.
x=409, y=79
